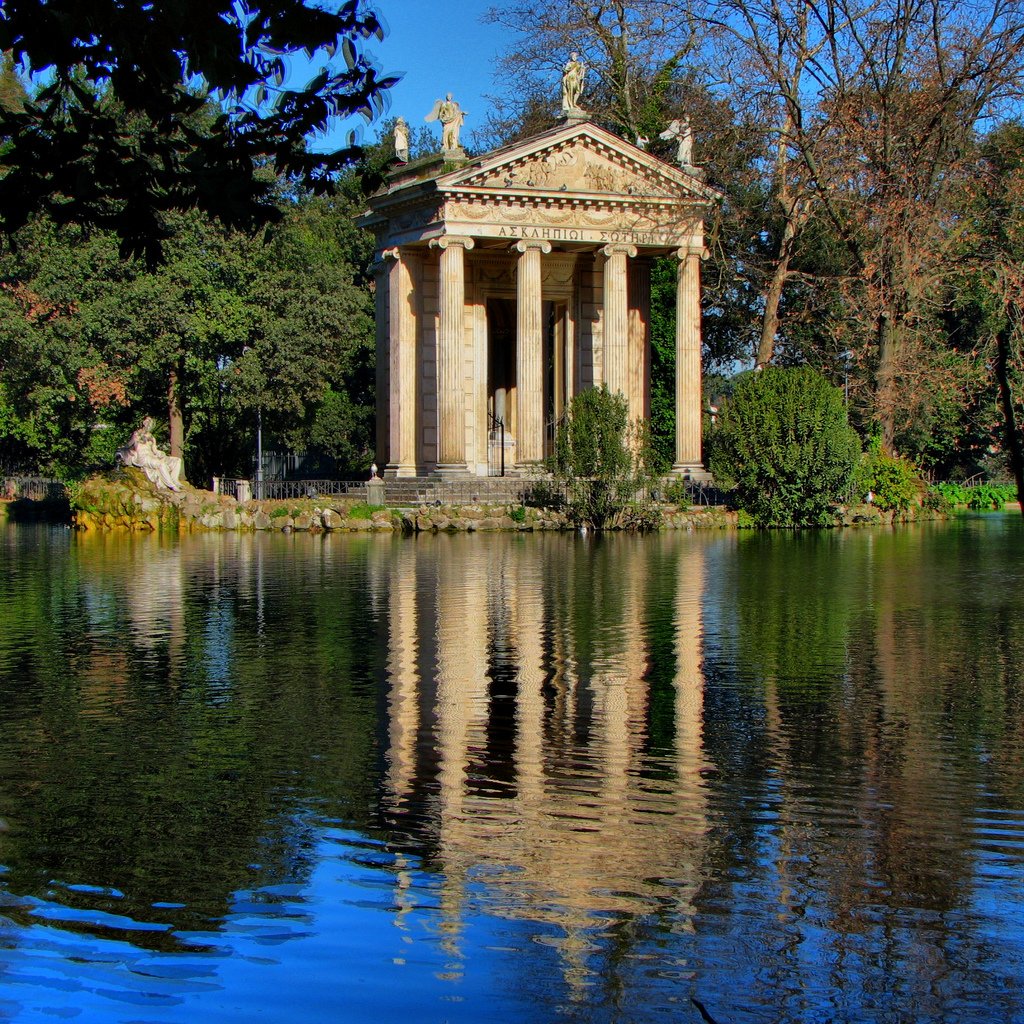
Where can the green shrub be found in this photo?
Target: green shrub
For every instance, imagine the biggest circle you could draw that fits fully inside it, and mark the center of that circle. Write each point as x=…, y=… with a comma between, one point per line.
x=601, y=459
x=892, y=481
x=641, y=516
x=979, y=497
x=951, y=493
x=517, y=513
x=990, y=496
x=784, y=438
x=936, y=501
x=744, y=520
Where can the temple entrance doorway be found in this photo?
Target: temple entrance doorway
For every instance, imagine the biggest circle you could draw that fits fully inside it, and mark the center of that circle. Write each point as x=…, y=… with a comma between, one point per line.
x=557, y=371
x=501, y=384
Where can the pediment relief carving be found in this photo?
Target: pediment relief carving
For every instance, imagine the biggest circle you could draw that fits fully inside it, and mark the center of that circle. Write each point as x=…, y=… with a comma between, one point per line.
x=574, y=168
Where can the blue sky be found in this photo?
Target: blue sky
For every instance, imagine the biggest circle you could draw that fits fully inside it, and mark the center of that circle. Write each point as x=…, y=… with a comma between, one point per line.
x=438, y=48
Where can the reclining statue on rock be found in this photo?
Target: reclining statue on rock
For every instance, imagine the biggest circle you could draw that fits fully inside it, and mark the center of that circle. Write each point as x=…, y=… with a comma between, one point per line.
x=141, y=451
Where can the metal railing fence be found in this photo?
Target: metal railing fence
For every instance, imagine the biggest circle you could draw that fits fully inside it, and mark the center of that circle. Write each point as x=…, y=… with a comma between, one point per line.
x=34, y=488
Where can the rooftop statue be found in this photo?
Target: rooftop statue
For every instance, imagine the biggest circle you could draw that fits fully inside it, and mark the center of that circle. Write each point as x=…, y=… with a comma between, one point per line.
x=572, y=84
x=451, y=116
x=401, y=136
x=141, y=451
x=680, y=131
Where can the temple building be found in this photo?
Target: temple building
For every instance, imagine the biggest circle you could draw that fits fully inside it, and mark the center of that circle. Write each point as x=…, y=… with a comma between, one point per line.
x=509, y=282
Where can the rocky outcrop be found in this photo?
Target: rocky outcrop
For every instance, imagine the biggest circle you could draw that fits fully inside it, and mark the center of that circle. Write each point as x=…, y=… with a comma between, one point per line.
x=127, y=500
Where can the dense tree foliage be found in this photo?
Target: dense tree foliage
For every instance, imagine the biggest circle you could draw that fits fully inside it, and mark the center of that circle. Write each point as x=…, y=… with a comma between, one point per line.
x=228, y=327
x=282, y=70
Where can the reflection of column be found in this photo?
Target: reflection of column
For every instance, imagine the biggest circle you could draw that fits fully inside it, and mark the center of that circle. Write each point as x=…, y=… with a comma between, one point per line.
x=461, y=705
x=635, y=640
x=616, y=317
x=451, y=412
x=524, y=583
x=688, y=408
x=690, y=788
x=403, y=699
x=529, y=353
x=620, y=691
x=401, y=366
x=689, y=638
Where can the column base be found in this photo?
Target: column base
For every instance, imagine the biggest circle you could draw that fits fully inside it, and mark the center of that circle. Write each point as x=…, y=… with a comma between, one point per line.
x=452, y=470
x=397, y=471
x=692, y=471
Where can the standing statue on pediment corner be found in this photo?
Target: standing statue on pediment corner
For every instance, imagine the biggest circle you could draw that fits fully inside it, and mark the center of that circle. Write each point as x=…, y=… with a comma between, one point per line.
x=681, y=132
x=451, y=116
x=401, y=137
x=573, y=74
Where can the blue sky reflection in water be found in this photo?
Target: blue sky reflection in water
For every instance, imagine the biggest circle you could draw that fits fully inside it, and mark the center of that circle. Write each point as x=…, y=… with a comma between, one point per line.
x=513, y=778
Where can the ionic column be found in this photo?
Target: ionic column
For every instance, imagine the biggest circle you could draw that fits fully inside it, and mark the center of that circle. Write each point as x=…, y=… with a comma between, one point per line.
x=401, y=366
x=529, y=353
x=451, y=399
x=688, y=398
x=616, y=318
x=381, y=295
x=639, y=359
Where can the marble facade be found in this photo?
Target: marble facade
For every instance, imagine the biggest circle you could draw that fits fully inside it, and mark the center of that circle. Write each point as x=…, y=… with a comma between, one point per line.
x=509, y=282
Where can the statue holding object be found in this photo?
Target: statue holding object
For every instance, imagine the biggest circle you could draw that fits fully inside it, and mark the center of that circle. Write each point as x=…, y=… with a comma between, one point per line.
x=680, y=131
x=573, y=74
x=451, y=116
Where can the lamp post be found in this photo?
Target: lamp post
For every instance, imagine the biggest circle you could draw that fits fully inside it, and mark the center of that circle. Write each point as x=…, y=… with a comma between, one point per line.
x=259, y=452
x=258, y=479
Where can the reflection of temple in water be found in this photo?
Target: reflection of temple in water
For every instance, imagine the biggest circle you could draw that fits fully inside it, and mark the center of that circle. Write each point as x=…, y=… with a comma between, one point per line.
x=520, y=715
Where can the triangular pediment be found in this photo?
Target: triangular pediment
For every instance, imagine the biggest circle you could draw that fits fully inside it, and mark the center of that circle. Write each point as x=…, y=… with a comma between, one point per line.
x=578, y=159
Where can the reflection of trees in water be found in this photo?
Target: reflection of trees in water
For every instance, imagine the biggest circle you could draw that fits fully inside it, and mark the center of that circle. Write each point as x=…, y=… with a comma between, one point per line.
x=185, y=707
x=875, y=688
x=673, y=747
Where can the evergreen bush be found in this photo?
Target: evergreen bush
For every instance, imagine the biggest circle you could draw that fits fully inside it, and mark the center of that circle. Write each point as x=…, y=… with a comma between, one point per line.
x=603, y=461
x=785, y=440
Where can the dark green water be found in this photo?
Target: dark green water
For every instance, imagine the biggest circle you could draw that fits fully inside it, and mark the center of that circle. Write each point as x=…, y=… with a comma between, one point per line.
x=513, y=778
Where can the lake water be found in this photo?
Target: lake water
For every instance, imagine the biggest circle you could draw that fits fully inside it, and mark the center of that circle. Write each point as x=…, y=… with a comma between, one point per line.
x=513, y=778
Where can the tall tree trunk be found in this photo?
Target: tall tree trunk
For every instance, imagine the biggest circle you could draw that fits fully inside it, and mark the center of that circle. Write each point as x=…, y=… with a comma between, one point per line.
x=1014, y=445
x=795, y=216
x=175, y=417
x=888, y=343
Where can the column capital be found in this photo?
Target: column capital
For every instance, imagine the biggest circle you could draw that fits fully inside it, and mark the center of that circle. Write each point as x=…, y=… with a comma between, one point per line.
x=380, y=263
x=616, y=248
x=393, y=252
x=447, y=241
x=524, y=245
x=686, y=251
